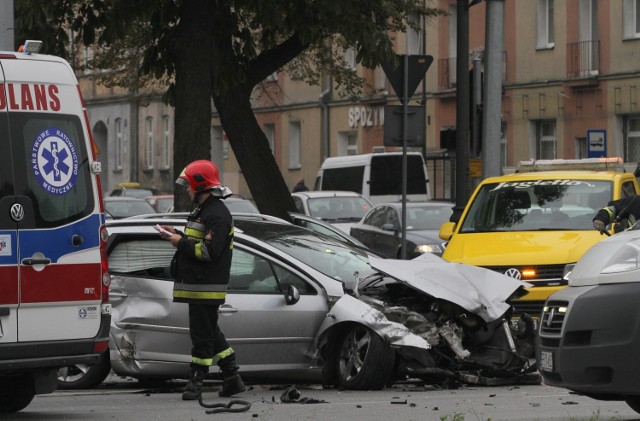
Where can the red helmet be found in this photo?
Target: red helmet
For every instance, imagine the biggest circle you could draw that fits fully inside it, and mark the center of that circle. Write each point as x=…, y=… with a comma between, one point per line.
x=201, y=175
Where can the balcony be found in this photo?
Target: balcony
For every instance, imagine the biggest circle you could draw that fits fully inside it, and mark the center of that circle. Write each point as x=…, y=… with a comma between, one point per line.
x=583, y=59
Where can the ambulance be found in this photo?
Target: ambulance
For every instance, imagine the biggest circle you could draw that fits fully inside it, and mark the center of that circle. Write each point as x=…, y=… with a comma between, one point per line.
x=54, y=280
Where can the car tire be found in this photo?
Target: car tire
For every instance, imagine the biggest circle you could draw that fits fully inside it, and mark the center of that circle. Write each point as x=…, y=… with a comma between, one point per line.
x=82, y=376
x=360, y=360
x=634, y=403
x=16, y=392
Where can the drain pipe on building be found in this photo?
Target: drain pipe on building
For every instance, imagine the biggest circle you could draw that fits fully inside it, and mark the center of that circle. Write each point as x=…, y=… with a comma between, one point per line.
x=325, y=149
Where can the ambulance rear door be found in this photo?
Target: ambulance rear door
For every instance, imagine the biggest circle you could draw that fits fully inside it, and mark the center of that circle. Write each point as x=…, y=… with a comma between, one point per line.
x=9, y=295
x=55, y=203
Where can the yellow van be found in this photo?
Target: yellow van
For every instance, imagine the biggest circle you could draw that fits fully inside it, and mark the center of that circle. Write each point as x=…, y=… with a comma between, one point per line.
x=535, y=225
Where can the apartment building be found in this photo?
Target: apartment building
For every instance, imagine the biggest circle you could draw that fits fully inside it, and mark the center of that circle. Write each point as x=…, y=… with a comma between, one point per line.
x=570, y=89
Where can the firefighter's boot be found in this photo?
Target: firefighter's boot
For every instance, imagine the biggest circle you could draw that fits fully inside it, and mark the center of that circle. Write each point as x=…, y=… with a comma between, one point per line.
x=193, y=389
x=232, y=383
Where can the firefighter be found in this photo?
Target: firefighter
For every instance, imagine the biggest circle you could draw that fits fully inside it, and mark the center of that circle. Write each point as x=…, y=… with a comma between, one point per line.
x=622, y=213
x=201, y=268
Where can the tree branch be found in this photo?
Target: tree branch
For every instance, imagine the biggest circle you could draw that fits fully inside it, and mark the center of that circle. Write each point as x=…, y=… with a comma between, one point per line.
x=273, y=59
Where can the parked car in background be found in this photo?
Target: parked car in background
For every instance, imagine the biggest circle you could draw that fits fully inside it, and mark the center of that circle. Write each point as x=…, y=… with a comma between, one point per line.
x=239, y=204
x=236, y=203
x=381, y=228
x=536, y=223
x=340, y=208
x=387, y=320
x=133, y=189
x=318, y=225
x=125, y=207
x=589, y=338
x=161, y=203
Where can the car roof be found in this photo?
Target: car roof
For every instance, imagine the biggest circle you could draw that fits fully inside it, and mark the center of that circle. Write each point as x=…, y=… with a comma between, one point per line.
x=123, y=199
x=554, y=175
x=327, y=193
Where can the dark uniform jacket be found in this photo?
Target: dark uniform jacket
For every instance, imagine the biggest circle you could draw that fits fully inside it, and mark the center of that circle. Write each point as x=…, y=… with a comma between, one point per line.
x=202, y=260
x=626, y=211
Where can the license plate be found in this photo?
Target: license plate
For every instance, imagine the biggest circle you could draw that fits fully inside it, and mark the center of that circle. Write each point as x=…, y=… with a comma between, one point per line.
x=546, y=360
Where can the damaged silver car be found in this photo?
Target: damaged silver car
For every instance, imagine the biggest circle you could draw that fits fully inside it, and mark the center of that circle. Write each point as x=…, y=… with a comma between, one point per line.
x=302, y=306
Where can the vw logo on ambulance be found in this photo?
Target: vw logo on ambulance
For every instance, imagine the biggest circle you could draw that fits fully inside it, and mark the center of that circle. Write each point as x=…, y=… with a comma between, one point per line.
x=54, y=161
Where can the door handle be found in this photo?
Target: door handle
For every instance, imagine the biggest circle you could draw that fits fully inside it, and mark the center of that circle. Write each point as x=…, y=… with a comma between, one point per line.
x=30, y=261
x=226, y=308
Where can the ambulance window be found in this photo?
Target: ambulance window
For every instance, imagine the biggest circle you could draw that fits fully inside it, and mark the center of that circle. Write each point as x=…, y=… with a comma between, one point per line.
x=52, y=166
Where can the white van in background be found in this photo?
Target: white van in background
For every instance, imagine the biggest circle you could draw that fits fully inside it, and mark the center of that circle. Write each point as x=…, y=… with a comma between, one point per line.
x=377, y=176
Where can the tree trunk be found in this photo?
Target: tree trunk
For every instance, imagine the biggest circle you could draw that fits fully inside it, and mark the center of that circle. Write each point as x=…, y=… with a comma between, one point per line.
x=191, y=50
x=251, y=148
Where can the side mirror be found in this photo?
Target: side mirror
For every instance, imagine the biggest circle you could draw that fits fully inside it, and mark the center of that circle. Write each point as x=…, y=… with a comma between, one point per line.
x=446, y=230
x=292, y=296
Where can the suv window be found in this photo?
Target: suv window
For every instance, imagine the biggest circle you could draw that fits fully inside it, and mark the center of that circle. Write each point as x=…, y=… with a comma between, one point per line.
x=51, y=166
x=346, y=179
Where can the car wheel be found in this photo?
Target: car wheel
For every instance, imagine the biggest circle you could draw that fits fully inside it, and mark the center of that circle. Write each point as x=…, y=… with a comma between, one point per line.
x=83, y=376
x=16, y=392
x=363, y=360
x=634, y=403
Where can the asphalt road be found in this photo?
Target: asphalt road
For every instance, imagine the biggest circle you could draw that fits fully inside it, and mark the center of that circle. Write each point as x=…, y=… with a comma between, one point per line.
x=124, y=399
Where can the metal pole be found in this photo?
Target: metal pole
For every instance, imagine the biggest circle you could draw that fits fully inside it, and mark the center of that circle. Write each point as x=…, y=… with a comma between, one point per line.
x=477, y=100
x=405, y=108
x=492, y=109
x=462, y=111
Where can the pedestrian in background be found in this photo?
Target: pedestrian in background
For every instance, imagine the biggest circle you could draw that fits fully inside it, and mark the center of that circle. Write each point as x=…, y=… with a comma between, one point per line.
x=300, y=186
x=201, y=268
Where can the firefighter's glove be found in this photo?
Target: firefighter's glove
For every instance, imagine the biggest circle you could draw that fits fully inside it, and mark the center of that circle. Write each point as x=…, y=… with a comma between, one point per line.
x=599, y=225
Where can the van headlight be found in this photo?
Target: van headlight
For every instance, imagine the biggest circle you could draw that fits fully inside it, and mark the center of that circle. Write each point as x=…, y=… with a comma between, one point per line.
x=625, y=260
x=429, y=248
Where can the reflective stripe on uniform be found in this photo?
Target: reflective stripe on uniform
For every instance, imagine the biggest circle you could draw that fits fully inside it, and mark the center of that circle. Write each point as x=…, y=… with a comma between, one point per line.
x=222, y=354
x=202, y=361
x=200, y=295
x=201, y=287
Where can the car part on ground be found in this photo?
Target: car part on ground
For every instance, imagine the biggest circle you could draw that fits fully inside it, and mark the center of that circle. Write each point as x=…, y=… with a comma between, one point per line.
x=302, y=306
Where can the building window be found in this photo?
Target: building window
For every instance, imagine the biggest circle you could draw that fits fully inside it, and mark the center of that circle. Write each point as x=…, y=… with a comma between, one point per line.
x=118, y=151
x=347, y=143
x=632, y=129
x=414, y=37
x=546, y=140
x=350, y=58
x=149, y=143
x=166, y=143
x=294, y=145
x=380, y=81
x=270, y=132
x=631, y=19
x=545, y=34
x=581, y=148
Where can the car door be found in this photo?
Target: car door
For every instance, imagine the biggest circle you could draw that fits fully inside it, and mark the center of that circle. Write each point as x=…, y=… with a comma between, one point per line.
x=370, y=226
x=265, y=332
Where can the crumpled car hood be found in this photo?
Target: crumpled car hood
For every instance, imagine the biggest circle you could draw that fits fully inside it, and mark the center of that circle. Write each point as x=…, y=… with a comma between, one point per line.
x=478, y=290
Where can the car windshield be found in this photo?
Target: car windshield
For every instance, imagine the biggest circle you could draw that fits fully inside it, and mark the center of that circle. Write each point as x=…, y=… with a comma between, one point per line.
x=335, y=259
x=427, y=217
x=537, y=205
x=240, y=206
x=337, y=208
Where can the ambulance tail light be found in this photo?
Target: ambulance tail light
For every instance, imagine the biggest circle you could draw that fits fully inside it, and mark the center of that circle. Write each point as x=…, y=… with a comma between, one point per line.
x=106, y=278
x=100, y=346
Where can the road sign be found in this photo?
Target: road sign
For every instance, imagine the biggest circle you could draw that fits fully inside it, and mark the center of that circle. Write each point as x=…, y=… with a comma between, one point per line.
x=393, y=125
x=417, y=67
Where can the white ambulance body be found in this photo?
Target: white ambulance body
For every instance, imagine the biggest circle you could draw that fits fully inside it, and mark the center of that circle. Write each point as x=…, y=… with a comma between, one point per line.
x=54, y=308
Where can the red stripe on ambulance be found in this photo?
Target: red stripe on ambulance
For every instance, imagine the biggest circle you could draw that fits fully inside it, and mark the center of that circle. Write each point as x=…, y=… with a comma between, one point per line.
x=8, y=285
x=61, y=283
